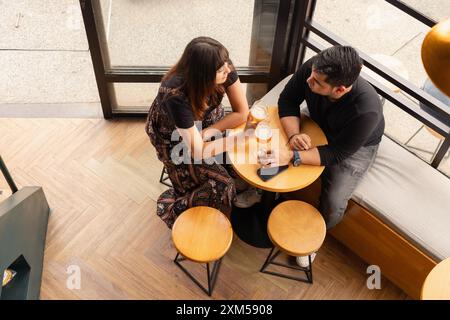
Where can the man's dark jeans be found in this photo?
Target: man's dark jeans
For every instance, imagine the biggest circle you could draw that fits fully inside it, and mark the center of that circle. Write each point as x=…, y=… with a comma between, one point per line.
x=340, y=180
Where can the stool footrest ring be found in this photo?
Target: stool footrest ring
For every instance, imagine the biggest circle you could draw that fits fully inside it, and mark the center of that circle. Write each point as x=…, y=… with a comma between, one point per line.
x=211, y=274
x=270, y=260
x=164, y=177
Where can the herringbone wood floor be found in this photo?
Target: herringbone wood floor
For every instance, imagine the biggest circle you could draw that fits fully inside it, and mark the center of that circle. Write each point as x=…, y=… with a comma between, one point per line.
x=101, y=181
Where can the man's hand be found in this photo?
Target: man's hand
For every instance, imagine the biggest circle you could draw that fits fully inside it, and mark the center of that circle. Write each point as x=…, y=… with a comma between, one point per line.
x=276, y=157
x=300, y=141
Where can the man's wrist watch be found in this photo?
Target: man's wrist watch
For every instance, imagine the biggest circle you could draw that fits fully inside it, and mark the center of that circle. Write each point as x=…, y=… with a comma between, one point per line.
x=296, y=160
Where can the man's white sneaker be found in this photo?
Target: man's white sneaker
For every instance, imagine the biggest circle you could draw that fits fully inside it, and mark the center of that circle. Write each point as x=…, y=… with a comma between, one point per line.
x=247, y=198
x=303, y=261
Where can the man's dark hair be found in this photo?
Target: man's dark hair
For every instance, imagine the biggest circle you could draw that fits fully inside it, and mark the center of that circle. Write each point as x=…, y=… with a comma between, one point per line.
x=341, y=65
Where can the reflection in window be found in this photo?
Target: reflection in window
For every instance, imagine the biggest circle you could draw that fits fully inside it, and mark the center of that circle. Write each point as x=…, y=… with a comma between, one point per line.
x=154, y=33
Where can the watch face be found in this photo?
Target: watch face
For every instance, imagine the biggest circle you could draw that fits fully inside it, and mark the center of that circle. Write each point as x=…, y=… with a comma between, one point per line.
x=297, y=160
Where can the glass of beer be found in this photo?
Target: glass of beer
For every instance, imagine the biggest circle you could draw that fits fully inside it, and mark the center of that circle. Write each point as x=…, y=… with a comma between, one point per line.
x=263, y=134
x=258, y=113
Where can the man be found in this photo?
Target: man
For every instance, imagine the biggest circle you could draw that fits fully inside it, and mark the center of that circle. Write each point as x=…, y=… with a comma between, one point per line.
x=348, y=110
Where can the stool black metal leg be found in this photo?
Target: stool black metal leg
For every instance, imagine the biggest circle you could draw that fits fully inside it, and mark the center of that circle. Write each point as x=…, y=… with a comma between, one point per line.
x=211, y=275
x=437, y=149
x=415, y=133
x=163, y=179
x=270, y=260
x=162, y=175
x=209, y=278
x=267, y=262
x=309, y=274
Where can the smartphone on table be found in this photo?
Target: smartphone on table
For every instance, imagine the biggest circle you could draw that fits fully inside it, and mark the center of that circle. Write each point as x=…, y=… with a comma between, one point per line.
x=267, y=173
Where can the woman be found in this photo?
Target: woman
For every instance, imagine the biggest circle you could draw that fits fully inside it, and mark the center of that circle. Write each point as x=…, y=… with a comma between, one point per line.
x=191, y=92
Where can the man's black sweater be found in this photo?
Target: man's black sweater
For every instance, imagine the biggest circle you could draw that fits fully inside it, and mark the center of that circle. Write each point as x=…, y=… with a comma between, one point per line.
x=349, y=123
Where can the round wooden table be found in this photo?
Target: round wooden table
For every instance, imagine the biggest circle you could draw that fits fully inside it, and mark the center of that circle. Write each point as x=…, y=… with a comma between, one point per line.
x=251, y=224
x=437, y=283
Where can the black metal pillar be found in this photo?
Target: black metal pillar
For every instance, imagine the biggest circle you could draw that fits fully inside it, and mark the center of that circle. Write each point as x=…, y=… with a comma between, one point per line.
x=250, y=224
x=304, y=11
x=98, y=59
x=7, y=176
x=288, y=48
x=279, y=44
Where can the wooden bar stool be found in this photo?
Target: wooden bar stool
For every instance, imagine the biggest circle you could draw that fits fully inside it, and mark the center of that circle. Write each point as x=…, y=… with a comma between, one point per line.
x=297, y=229
x=203, y=235
x=437, y=284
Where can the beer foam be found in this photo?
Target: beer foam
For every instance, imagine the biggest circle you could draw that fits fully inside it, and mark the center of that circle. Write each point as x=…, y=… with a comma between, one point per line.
x=259, y=112
x=263, y=132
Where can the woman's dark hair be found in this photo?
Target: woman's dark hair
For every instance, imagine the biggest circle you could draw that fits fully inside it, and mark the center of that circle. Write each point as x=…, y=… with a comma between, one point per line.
x=341, y=65
x=197, y=67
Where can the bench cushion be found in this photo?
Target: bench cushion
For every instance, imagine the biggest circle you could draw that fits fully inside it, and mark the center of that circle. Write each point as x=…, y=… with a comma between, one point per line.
x=403, y=191
x=410, y=196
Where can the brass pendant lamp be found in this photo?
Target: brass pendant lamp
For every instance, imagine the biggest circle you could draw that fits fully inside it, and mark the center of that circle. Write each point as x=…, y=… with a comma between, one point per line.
x=436, y=55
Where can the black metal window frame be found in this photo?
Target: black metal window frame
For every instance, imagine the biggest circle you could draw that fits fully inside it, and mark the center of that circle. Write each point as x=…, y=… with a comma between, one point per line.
x=107, y=76
x=292, y=36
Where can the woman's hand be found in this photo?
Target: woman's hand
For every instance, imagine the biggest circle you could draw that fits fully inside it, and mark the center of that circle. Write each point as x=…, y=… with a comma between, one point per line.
x=300, y=141
x=209, y=132
x=250, y=124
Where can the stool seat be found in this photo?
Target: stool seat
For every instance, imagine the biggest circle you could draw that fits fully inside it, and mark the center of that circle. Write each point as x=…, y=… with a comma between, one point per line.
x=202, y=234
x=437, y=283
x=296, y=227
